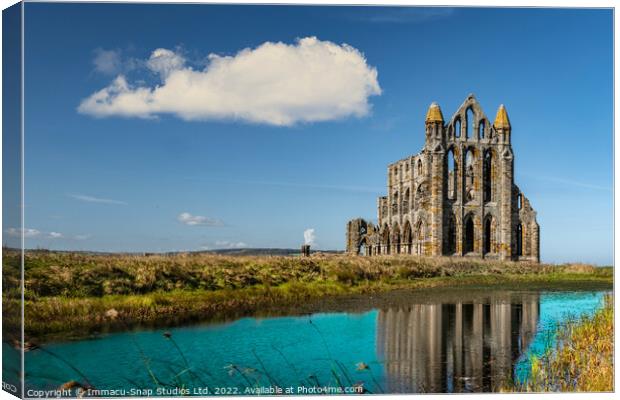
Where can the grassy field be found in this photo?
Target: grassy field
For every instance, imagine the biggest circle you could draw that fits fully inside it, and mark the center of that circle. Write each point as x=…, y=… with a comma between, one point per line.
x=77, y=293
x=582, y=360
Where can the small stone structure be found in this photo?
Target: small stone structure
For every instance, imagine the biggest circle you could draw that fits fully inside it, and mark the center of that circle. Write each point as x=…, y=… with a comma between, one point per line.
x=457, y=197
x=305, y=250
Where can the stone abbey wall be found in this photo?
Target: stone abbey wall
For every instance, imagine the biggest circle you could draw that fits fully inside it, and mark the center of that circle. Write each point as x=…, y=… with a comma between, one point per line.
x=456, y=197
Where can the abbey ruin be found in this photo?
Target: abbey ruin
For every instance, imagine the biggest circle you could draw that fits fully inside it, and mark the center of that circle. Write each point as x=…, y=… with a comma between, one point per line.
x=457, y=197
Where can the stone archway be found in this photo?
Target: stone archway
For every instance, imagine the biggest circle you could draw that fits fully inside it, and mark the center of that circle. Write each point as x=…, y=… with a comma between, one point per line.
x=489, y=238
x=385, y=241
x=395, y=239
x=468, y=237
x=451, y=238
x=488, y=176
x=487, y=246
x=419, y=236
x=407, y=243
x=364, y=249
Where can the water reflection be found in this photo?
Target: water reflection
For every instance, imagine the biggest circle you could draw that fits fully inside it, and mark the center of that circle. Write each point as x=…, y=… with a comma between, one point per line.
x=455, y=347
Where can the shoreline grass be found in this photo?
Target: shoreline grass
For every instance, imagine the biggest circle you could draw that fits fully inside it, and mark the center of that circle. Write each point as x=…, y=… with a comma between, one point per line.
x=77, y=294
x=581, y=361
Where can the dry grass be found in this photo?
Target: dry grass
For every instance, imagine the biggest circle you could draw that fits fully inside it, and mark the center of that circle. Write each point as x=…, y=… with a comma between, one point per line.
x=86, y=275
x=73, y=291
x=579, y=268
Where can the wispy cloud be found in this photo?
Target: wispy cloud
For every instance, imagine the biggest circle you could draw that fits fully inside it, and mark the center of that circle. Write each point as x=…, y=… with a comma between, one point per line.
x=225, y=244
x=346, y=188
x=93, y=199
x=569, y=182
x=107, y=61
x=193, y=220
x=82, y=237
x=32, y=233
x=402, y=15
x=17, y=232
x=111, y=62
x=385, y=125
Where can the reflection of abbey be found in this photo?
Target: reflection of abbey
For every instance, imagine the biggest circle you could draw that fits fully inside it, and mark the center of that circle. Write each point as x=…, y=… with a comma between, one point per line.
x=456, y=197
x=469, y=345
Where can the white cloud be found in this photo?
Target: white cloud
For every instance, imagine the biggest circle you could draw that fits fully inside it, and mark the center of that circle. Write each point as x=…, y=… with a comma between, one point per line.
x=17, y=232
x=107, y=61
x=569, y=182
x=93, y=199
x=112, y=62
x=189, y=219
x=82, y=237
x=164, y=61
x=230, y=245
x=224, y=244
x=32, y=233
x=309, y=237
x=275, y=83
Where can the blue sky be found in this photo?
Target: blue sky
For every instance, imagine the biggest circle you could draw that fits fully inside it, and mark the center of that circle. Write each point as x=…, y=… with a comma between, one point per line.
x=98, y=179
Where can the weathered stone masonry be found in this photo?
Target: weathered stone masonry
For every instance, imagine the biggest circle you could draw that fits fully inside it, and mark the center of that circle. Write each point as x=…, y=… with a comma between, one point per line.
x=456, y=197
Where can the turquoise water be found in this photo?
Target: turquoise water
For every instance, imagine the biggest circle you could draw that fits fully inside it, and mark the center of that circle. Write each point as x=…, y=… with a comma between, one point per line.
x=431, y=344
x=555, y=309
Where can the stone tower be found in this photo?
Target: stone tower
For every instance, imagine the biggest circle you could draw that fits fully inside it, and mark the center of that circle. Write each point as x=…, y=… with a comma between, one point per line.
x=457, y=197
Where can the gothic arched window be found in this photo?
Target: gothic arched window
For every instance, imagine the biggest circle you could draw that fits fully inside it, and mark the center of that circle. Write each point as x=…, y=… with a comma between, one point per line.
x=469, y=121
x=451, y=174
x=406, y=201
x=488, y=176
x=469, y=175
x=468, y=244
x=395, y=204
x=451, y=235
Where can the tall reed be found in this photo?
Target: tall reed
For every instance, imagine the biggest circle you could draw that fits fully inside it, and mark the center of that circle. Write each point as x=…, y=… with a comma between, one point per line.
x=581, y=361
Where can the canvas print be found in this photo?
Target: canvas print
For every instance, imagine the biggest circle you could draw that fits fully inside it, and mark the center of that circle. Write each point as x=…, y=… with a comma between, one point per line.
x=234, y=200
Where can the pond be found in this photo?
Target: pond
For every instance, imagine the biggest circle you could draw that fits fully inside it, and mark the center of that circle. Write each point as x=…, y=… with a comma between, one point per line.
x=474, y=340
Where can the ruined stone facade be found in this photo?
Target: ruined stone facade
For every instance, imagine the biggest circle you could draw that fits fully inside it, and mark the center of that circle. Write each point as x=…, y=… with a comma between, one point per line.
x=457, y=197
